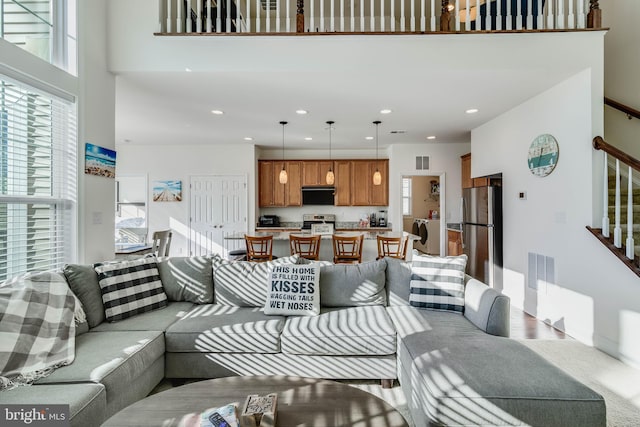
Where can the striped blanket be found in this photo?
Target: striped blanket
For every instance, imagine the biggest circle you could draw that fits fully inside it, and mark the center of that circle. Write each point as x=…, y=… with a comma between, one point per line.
x=37, y=327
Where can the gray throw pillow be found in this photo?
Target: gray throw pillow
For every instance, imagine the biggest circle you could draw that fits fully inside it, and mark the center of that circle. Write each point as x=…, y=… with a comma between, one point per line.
x=398, y=281
x=350, y=285
x=83, y=281
x=187, y=279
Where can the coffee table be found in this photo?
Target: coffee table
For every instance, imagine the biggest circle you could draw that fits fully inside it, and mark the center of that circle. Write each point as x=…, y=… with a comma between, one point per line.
x=301, y=402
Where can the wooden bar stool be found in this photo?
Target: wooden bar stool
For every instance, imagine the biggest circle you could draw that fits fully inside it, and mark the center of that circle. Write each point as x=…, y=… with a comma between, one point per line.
x=394, y=247
x=306, y=246
x=347, y=249
x=259, y=248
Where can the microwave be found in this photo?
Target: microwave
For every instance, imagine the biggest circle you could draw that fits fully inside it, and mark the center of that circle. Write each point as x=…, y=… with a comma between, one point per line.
x=269, y=221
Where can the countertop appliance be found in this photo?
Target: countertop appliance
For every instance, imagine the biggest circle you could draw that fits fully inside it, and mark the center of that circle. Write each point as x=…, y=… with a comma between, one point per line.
x=321, y=195
x=269, y=221
x=310, y=219
x=482, y=233
x=382, y=218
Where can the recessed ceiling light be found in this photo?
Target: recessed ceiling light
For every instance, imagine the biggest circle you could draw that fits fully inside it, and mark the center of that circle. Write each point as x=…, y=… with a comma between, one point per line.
x=188, y=70
x=368, y=138
x=431, y=137
x=308, y=138
x=385, y=111
x=217, y=112
x=471, y=111
x=248, y=138
x=301, y=111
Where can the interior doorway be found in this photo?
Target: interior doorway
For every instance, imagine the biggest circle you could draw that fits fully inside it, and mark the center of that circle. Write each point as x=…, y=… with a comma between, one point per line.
x=422, y=207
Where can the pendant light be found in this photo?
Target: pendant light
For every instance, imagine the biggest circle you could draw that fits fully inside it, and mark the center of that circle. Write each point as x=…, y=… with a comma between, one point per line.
x=377, y=176
x=283, y=172
x=330, y=178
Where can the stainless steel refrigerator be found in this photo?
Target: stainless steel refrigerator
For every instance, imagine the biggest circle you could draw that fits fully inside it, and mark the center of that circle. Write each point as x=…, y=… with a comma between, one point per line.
x=482, y=233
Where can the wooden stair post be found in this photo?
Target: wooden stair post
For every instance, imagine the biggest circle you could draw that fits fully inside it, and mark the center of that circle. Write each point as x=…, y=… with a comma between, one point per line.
x=594, y=18
x=445, y=18
x=300, y=16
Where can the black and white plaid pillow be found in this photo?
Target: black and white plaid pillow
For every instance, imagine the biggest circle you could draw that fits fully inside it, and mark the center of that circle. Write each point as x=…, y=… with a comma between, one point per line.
x=130, y=287
x=437, y=283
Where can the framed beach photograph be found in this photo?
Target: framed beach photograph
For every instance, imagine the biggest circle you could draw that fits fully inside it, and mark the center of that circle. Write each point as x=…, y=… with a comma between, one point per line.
x=99, y=161
x=167, y=191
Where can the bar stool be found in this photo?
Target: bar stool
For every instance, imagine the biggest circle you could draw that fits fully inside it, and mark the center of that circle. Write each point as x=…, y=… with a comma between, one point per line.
x=161, y=243
x=394, y=247
x=306, y=246
x=347, y=249
x=259, y=248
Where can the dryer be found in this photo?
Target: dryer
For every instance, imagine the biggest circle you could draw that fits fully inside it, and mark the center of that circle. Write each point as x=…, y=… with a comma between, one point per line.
x=429, y=232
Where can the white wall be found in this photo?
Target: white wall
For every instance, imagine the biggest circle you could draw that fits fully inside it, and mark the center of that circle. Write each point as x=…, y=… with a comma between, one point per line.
x=594, y=297
x=622, y=67
x=96, y=119
x=180, y=162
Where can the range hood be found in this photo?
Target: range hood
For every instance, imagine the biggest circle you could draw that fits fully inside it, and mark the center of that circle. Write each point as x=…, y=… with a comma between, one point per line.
x=322, y=195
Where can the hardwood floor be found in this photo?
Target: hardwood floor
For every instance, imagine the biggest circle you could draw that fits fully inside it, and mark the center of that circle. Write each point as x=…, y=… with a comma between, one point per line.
x=525, y=326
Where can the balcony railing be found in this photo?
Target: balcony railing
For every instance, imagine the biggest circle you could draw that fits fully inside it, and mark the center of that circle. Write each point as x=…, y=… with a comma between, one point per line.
x=373, y=16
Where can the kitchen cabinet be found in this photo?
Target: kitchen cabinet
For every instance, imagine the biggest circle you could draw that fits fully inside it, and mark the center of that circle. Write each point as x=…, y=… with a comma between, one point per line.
x=454, y=242
x=314, y=172
x=342, y=171
x=271, y=192
x=481, y=182
x=363, y=192
x=467, y=182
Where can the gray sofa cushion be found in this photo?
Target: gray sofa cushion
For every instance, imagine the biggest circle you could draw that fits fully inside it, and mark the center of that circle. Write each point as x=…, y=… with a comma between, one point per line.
x=187, y=279
x=353, y=331
x=225, y=329
x=398, y=279
x=83, y=281
x=157, y=320
x=82, y=328
x=87, y=402
x=486, y=308
x=244, y=283
x=350, y=285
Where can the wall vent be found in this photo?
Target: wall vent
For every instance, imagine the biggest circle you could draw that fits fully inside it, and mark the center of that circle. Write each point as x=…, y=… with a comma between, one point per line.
x=422, y=163
x=541, y=269
x=398, y=131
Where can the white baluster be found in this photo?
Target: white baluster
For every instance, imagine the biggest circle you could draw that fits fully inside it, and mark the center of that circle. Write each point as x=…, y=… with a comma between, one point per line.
x=188, y=17
x=433, y=16
x=571, y=18
x=518, y=15
x=353, y=16
x=247, y=17
x=509, y=17
x=581, y=15
x=267, y=17
x=630, y=244
x=550, y=25
x=605, y=214
x=381, y=15
x=540, y=18
x=412, y=19
x=288, y=25
x=209, y=26
x=498, y=15
x=332, y=22
x=322, y=28
x=423, y=16
x=277, y=16
x=402, y=17
x=560, y=19
x=392, y=20
x=198, y=17
x=312, y=19
x=487, y=19
x=258, y=19
x=362, y=16
x=457, y=15
x=342, y=16
x=179, y=20
x=372, y=19
x=529, y=14
x=467, y=21
x=167, y=16
x=617, y=230
x=478, y=26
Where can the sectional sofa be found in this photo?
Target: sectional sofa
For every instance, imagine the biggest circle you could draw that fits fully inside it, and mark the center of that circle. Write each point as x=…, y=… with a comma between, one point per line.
x=455, y=369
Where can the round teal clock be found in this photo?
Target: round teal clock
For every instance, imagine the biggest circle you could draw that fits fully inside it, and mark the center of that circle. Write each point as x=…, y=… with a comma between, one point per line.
x=543, y=155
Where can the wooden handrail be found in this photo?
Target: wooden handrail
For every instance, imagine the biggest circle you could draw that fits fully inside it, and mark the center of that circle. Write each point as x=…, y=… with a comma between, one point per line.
x=601, y=144
x=621, y=107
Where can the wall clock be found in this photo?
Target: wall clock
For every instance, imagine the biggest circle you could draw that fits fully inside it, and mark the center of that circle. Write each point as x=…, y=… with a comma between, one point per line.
x=543, y=155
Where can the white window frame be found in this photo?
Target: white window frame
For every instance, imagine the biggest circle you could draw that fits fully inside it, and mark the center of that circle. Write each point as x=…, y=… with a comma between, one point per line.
x=406, y=197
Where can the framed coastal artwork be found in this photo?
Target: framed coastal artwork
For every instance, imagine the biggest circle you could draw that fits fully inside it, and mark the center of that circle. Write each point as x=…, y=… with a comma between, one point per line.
x=99, y=161
x=167, y=191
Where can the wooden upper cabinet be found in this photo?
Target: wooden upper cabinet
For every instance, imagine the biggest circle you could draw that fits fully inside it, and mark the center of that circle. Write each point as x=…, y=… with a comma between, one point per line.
x=363, y=192
x=467, y=182
x=314, y=172
x=293, y=187
x=342, y=171
x=271, y=192
x=380, y=193
x=265, y=183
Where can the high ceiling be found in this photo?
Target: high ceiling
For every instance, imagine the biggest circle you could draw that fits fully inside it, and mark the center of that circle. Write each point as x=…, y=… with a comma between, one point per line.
x=428, y=89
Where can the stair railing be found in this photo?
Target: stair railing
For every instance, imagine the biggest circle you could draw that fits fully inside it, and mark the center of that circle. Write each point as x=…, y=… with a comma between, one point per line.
x=626, y=254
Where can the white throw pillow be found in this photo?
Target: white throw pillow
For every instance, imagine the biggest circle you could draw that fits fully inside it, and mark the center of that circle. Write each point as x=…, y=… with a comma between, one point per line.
x=293, y=289
x=437, y=283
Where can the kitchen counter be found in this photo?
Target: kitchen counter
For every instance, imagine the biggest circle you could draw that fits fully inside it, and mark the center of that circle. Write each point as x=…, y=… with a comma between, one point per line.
x=283, y=233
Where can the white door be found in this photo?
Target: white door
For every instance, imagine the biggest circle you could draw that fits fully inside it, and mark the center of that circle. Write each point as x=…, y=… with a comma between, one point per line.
x=218, y=208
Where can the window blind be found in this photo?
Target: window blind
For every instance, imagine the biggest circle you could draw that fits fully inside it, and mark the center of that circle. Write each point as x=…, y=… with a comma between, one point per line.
x=38, y=179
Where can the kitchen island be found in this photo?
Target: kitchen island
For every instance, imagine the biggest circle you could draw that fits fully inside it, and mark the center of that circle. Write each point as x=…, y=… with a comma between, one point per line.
x=369, y=250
